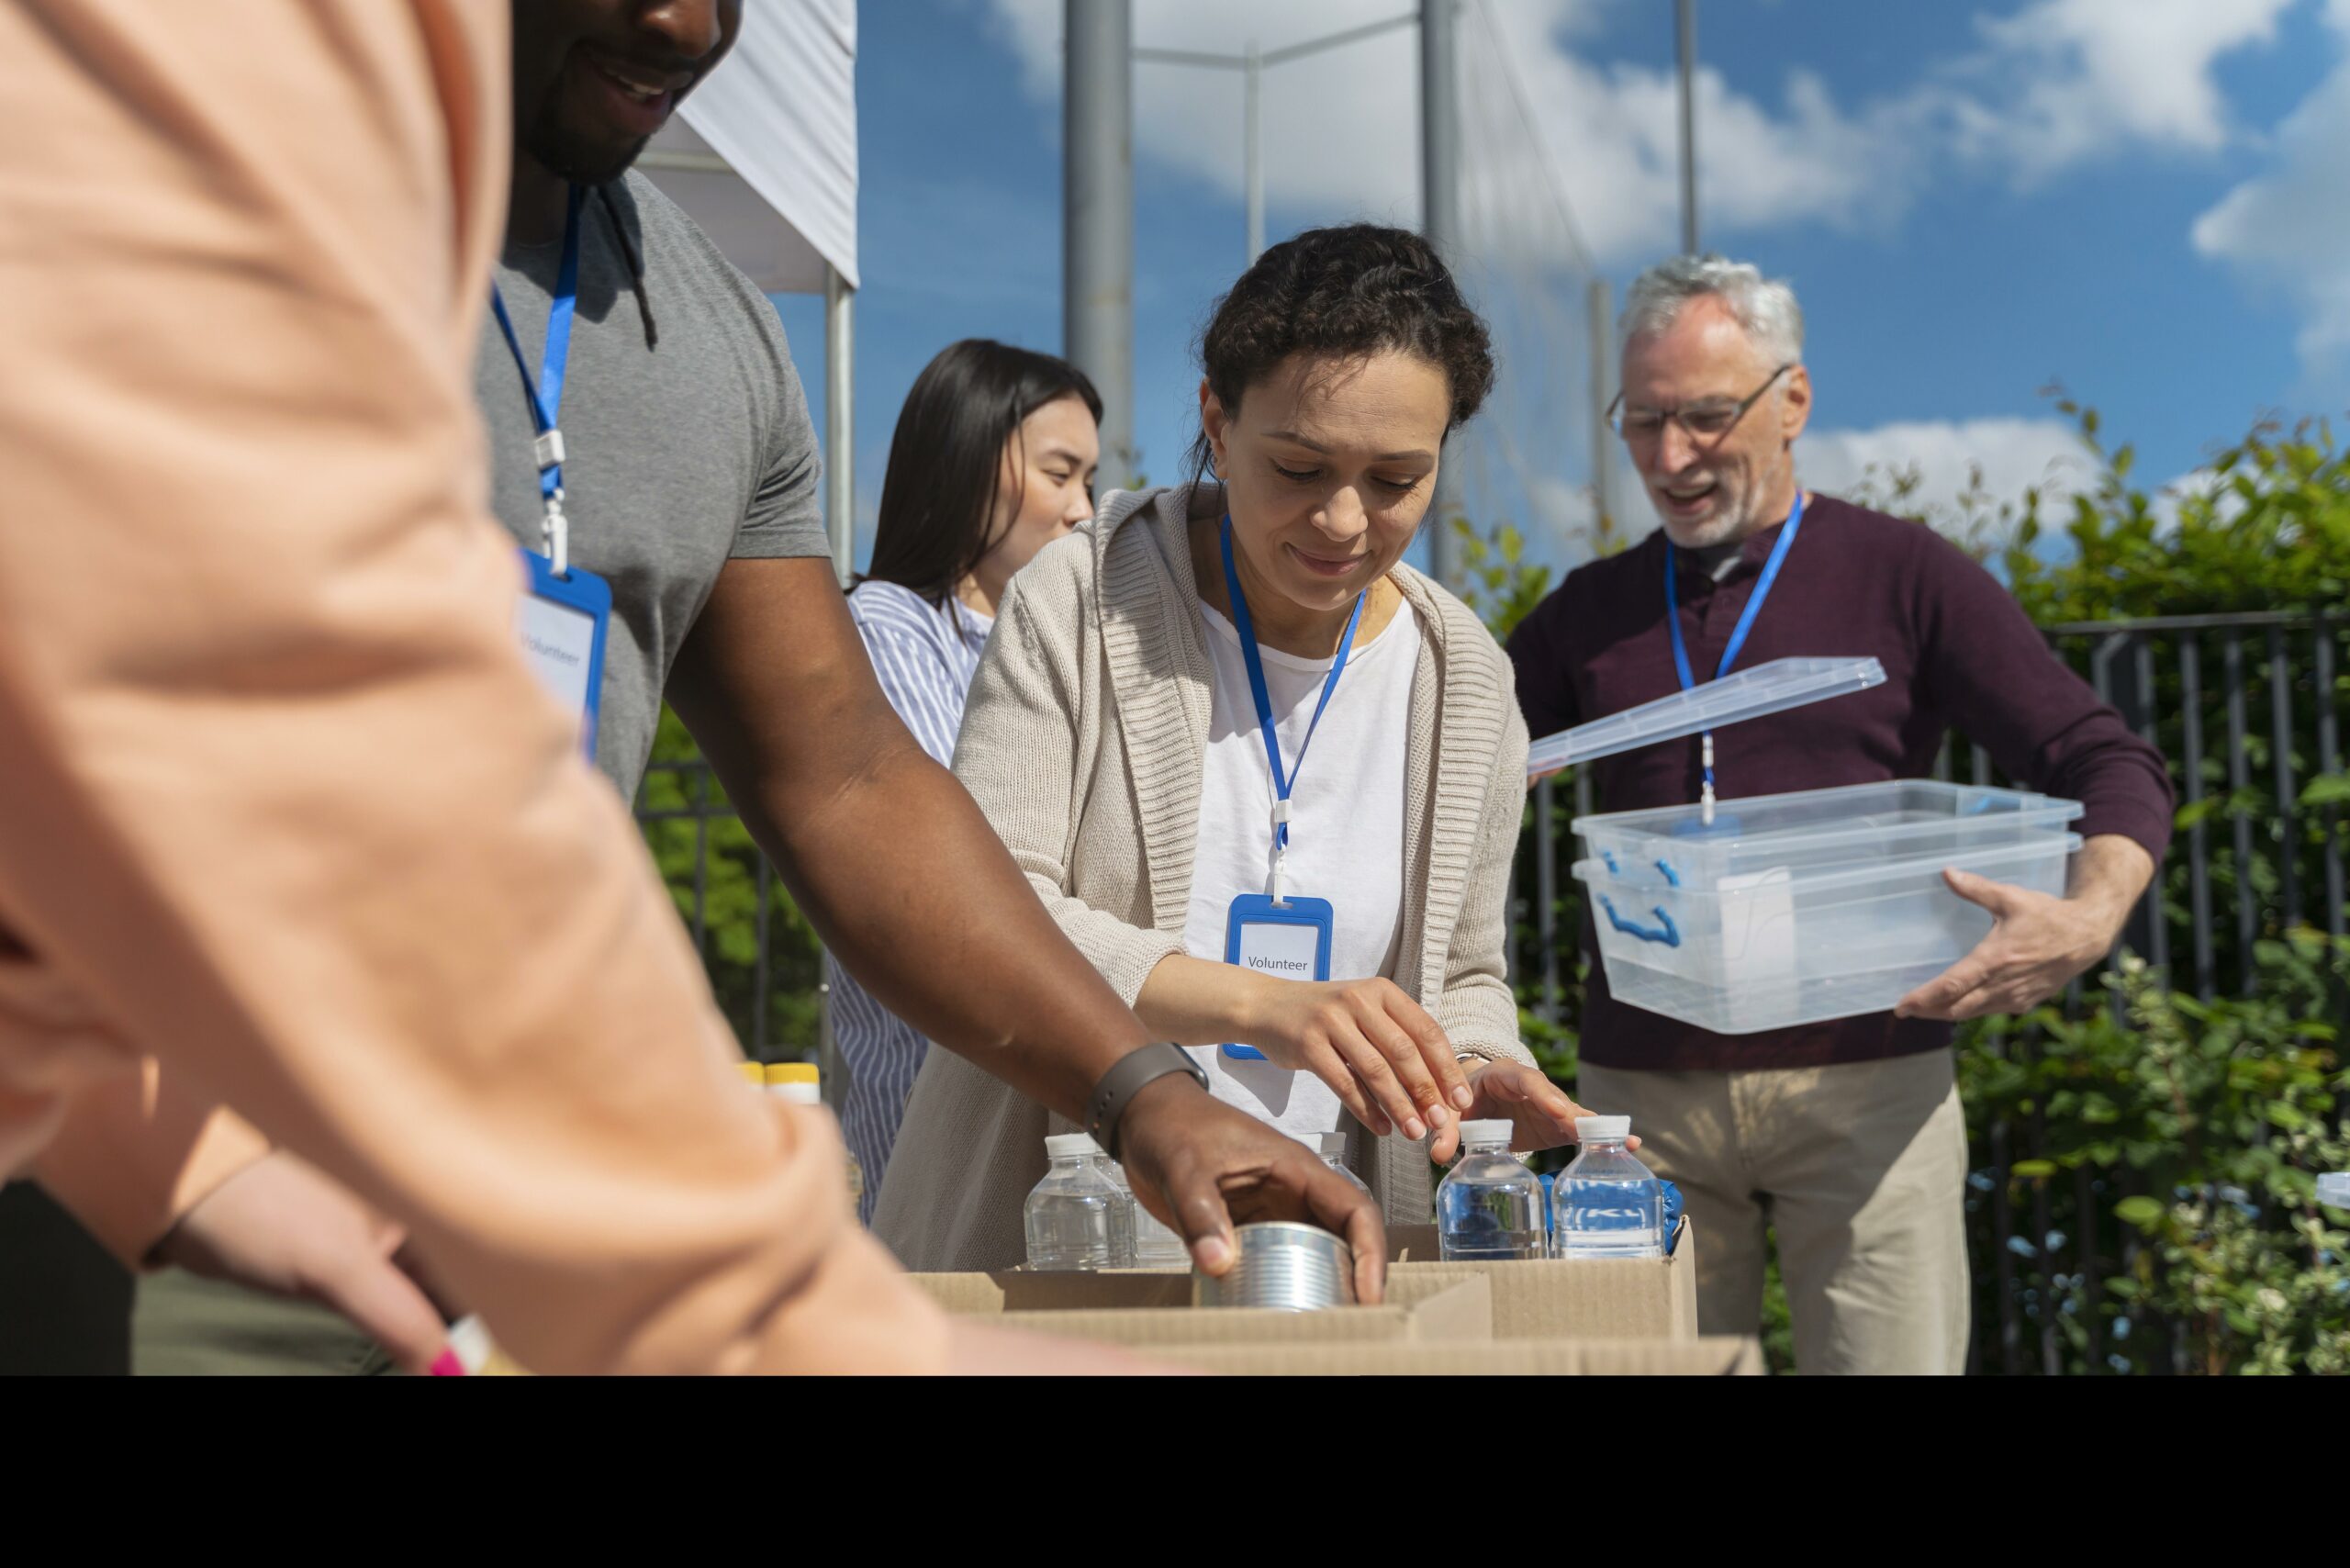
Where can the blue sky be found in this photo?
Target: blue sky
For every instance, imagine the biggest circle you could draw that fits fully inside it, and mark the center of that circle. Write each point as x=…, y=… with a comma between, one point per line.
x=1974, y=198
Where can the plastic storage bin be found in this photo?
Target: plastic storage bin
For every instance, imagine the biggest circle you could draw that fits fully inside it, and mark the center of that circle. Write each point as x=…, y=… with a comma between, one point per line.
x=1819, y=831
x=1790, y=909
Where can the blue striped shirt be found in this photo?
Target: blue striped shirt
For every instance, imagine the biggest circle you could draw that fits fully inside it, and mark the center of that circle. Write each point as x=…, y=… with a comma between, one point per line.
x=925, y=657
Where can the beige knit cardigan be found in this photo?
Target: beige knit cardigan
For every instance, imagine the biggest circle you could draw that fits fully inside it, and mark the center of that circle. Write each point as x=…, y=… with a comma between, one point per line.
x=1084, y=739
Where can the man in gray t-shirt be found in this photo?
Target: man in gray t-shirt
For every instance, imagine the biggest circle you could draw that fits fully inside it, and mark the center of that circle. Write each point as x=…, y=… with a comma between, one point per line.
x=690, y=478
x=686, y=435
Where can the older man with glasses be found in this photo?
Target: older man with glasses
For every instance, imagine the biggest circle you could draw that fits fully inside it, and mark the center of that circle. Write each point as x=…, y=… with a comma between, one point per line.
x=1844, y=1137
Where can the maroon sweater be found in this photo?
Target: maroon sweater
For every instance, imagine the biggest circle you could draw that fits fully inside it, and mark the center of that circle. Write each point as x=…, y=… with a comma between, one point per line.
x=1958, y=654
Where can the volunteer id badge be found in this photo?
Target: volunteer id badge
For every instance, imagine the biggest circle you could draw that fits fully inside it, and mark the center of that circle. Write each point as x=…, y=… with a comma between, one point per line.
x=562, y=624
x=1289, y=941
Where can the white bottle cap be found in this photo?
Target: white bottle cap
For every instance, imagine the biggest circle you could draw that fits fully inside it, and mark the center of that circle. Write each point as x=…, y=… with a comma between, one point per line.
x=1071, y=1145
x=1613, y=1129
x=1496, y=1131
x=1333, y=1146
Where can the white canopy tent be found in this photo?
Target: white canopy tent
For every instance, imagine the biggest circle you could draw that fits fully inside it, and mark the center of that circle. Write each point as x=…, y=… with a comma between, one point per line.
x=763, y=156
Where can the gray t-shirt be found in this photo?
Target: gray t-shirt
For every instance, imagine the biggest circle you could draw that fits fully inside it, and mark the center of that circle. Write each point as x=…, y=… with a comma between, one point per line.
x=687, y=437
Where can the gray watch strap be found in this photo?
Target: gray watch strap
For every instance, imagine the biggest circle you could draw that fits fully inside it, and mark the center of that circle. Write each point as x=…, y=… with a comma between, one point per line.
x=1118, y=1086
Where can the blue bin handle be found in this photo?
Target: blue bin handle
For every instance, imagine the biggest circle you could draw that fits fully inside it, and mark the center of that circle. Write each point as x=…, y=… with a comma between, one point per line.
x=1664, y=932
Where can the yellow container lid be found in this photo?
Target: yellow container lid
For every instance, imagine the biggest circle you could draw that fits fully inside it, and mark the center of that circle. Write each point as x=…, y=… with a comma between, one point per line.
x=752, y=1071
x=792, y=1072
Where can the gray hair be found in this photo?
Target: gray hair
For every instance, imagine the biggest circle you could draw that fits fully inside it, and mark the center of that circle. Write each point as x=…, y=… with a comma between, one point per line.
x=1764, y=306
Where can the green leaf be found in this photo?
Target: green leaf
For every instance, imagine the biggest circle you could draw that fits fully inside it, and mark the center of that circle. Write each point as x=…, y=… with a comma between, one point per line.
x=2144, y=1213
x=2327, y=790
x=2032, y=1169
x=2196, y=810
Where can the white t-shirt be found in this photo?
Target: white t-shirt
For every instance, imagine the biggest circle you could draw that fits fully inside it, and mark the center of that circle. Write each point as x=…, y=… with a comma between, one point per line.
x=1345, y=831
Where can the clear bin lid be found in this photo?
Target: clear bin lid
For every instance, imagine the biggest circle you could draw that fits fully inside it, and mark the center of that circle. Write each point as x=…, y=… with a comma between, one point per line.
x=1744, y=694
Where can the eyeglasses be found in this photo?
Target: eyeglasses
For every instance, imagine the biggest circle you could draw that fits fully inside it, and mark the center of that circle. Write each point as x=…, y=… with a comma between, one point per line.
x=1703, y=422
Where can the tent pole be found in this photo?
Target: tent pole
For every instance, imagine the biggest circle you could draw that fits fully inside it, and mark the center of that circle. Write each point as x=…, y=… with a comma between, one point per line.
x=840, y=520
x=840, y=421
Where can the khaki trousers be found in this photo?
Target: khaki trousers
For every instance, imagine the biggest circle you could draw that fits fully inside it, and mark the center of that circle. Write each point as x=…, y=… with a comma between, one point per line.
x=1861, y=1168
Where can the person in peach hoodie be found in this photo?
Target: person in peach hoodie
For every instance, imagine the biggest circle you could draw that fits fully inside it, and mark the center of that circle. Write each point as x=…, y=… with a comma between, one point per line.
x=316, y=931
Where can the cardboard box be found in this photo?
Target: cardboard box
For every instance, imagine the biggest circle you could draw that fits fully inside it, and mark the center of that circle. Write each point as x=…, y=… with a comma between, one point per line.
x=1552, y=1358
x=1538, y=1317
x=1630, y=1298
x=1154, y=1309
x=1460, y=1312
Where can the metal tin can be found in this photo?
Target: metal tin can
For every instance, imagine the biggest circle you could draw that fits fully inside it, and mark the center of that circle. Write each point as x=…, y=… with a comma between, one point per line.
x=1284, y=1267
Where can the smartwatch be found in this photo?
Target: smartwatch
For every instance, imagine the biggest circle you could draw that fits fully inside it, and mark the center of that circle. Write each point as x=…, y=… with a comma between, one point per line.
x=1121, y=1084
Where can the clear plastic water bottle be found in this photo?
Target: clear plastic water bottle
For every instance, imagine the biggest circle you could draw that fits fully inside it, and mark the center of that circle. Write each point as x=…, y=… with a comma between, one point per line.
x=1607, y=1205
x=1334, y=1155
x=1077, y=1217
x=1155, y=1246
x=1488, y=1206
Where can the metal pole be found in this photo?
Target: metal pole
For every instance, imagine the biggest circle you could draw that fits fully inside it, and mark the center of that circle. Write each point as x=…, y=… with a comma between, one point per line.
x=1686, y=25
x=1254, y=80
x=840, y=421
x=1097, y=215
x=840, y=522
x=1441, y=221
x=1603, y=390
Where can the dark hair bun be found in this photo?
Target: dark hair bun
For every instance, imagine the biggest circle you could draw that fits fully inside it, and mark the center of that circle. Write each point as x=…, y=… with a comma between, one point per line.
x=1344, y=293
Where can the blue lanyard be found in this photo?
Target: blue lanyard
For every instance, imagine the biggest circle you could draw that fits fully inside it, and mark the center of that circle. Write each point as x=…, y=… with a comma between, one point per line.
x=1283, y=782
x=545, y=389
x=1738, y=633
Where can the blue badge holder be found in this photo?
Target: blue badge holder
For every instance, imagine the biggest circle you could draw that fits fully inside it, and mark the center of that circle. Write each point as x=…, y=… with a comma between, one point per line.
x=583, y=593
x=1256, y=909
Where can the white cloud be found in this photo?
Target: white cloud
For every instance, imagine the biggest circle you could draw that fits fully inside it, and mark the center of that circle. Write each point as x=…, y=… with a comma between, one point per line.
x=2053, y=85
x=1341, y=129
x=1971, y=475
x=2284, y=227
x=2064, y=81
x=2009, y=455
x=1613, y=137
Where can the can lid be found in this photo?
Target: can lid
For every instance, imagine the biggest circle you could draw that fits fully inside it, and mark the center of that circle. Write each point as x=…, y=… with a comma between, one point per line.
x=1289, y=1233
x=1589, y=1129
x=792, y=1072
x=752, y=1071
x=1496, y=1131
x=1071, y=1145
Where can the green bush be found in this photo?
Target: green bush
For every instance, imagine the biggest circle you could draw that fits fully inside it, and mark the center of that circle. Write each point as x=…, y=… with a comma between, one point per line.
x=722, y=904
x=2177, y=1142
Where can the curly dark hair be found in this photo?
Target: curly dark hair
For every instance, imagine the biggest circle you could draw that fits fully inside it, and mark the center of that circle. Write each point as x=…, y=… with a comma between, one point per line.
x=1342, y=293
